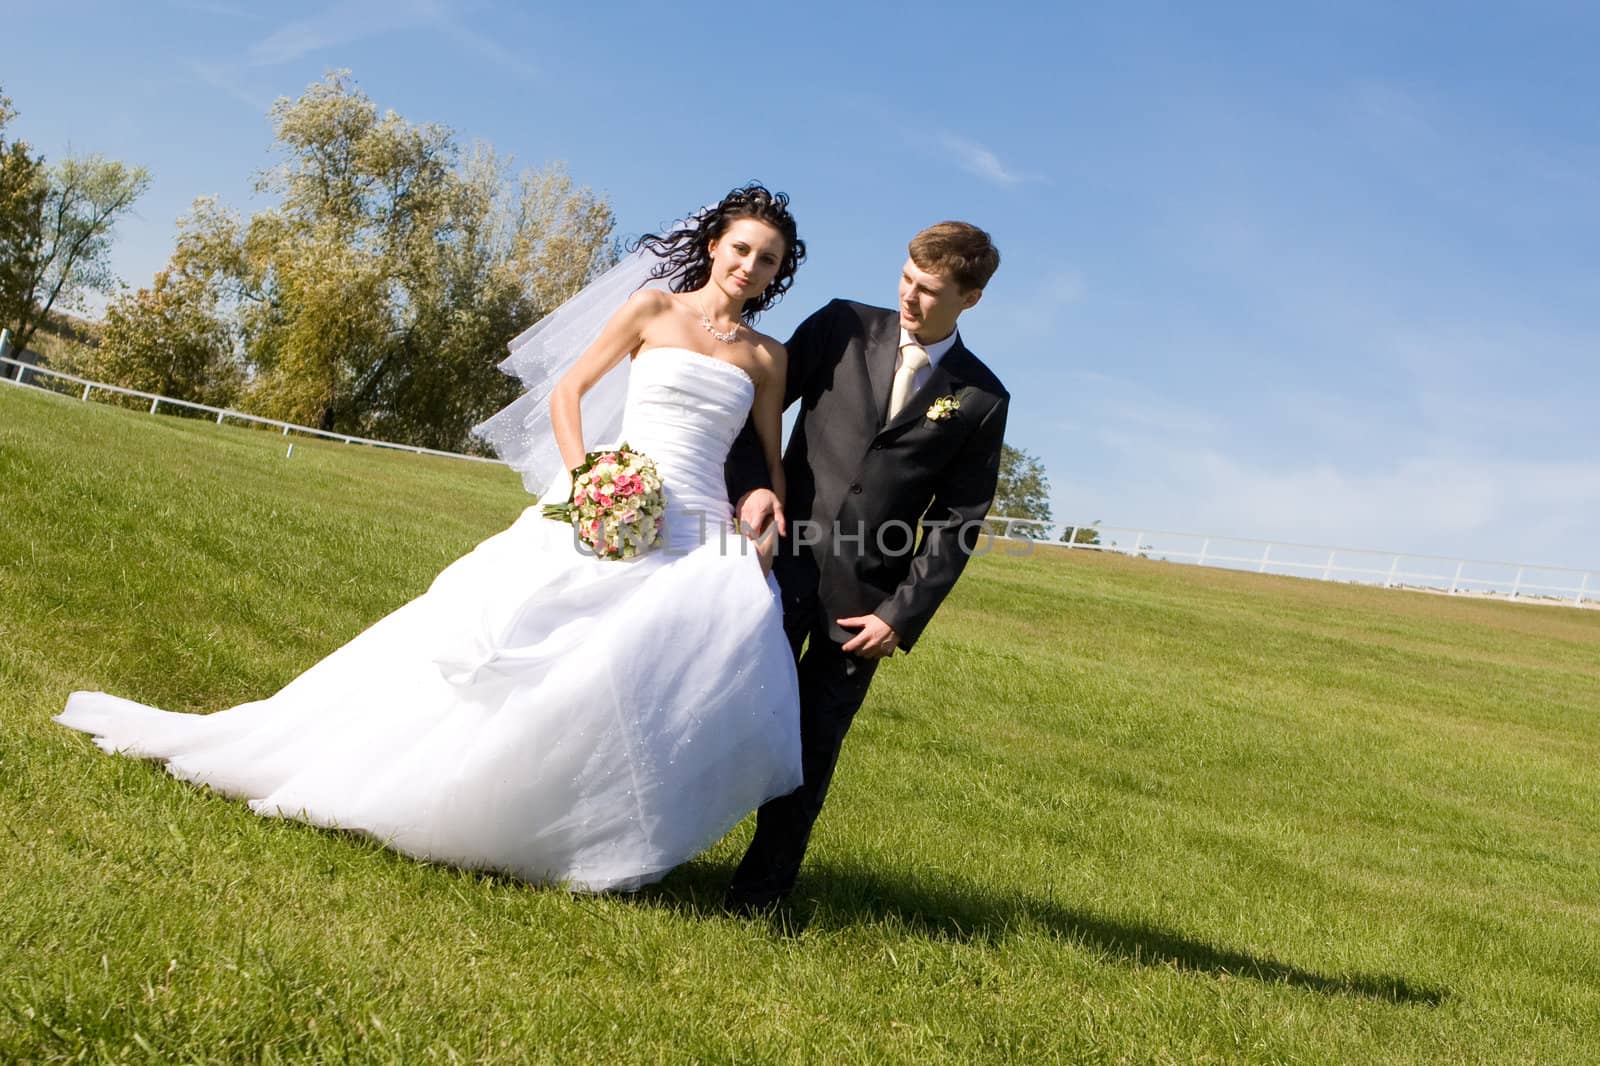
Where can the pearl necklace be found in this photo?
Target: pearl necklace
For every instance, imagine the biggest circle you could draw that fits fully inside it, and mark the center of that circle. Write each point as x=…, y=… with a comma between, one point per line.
x=726, y=338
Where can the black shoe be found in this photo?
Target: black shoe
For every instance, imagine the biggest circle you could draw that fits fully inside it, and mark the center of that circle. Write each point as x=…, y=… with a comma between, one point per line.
x=750, y=905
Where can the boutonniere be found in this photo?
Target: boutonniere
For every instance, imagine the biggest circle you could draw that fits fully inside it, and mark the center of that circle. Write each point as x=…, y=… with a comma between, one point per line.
x=944, y=407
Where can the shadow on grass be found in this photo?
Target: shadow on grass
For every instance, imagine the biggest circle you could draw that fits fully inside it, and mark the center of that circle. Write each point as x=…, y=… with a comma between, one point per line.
x=838, y=898
x=831, y=898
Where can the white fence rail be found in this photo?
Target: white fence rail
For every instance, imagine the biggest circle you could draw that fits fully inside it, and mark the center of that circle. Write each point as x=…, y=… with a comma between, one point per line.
x=1524, y=582
x=27, y=373
x=1517, y=581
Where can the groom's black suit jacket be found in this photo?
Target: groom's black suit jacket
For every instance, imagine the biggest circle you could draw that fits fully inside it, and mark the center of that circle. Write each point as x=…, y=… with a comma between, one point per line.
x=860, y=488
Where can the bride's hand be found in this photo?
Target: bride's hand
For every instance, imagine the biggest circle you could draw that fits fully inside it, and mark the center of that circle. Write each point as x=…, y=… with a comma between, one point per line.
x=559, y=490
x=760, y=508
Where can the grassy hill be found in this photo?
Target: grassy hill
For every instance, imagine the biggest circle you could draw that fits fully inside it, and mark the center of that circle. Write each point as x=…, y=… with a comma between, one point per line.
x=64, y=339
x=1110, y=811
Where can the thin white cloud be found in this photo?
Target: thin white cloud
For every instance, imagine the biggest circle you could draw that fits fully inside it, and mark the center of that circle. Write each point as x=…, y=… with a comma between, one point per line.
x=1063, y=288
x=1446, y=505
x=1162, y=470
x=226, y=78
x=346, y=23
x=965, y=153
x=213, y=7
x=977, y=159
x=343, y=23
x=1507, y=382
x=488, y=48
x=1119, y=404
x=1038, y=311
x=1340, y=473
x=1510, y=178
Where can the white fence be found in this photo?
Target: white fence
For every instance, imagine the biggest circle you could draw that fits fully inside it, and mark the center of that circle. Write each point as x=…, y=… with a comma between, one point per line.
x=1517, y=581
x=1524, y=582
x=27, y=374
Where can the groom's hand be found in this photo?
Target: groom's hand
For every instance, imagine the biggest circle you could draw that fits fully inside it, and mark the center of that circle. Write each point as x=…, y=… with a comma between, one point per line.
x=760, y=508
x=877, y=639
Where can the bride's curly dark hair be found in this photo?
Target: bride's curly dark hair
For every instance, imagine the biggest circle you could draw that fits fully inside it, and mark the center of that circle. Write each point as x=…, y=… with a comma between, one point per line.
x=686, y=254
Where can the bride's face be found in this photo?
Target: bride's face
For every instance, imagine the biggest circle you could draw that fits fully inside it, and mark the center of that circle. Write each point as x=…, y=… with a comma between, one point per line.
x=746, y=258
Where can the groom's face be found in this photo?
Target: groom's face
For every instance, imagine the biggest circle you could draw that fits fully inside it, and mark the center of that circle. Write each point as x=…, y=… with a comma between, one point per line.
x=930, y=303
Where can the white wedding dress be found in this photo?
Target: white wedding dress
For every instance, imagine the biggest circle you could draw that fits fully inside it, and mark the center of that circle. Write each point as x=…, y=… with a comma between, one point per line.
x=537, y=711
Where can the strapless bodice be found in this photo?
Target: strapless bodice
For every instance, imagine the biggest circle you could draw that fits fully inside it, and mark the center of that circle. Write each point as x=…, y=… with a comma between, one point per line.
x=684, y=410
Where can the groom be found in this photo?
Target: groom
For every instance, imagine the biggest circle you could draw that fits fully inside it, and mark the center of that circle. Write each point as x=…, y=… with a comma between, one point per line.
x=899, y=430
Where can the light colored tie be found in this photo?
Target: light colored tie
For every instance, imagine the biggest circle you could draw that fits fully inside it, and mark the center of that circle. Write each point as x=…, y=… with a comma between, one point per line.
x=913, y=357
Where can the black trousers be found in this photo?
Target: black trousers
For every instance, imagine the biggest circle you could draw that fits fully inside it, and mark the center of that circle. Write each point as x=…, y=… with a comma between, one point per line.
x=833, y=685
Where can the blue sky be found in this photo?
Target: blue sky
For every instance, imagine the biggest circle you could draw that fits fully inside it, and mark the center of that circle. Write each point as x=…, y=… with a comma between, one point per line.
x=1316, y=272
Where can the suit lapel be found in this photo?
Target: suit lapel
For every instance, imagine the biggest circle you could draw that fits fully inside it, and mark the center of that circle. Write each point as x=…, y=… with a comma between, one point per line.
x=882, y=346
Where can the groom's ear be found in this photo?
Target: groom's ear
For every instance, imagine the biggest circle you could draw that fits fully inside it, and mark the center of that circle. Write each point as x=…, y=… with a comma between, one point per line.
x=970, y=298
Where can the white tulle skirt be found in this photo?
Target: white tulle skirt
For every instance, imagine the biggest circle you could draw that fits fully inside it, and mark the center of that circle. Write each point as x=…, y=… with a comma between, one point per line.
x=536, y=711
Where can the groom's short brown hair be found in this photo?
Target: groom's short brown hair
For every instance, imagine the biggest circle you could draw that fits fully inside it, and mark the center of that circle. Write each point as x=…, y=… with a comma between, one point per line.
x=959, y=251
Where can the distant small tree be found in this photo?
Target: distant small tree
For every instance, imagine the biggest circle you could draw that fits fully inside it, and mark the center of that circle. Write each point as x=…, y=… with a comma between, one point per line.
x=1081, y=534
x=1023, y=490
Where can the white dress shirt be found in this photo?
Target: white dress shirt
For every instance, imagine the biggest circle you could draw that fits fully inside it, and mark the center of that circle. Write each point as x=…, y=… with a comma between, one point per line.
x=936, y=351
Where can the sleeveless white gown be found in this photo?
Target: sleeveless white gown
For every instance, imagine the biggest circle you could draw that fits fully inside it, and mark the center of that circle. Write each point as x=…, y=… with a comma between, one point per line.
x=537, y=711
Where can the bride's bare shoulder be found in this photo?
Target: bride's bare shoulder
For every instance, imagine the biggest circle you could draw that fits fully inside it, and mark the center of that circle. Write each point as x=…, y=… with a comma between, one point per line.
x=772, y=357
x=641, y=312
x=652, y=302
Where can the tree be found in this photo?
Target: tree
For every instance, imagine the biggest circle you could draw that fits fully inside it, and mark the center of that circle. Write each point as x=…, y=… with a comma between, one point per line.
x=169, y=340
x=22, y=195
x=68, y=253
x=1023, y=490
x=376, y=296
x=1088, y=534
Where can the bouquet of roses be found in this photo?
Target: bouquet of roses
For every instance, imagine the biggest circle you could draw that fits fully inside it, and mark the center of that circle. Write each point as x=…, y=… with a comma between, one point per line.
x=617, y=504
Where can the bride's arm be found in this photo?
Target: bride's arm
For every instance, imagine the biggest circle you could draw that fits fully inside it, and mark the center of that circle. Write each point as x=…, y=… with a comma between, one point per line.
x=767, y=415
x=619, y=338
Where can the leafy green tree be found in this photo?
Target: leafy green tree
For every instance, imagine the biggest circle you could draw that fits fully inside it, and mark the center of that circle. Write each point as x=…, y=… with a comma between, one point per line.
x=68, y=253
x=169, y=340
x=377, y=295
x=1023, y=490
x=22, y=196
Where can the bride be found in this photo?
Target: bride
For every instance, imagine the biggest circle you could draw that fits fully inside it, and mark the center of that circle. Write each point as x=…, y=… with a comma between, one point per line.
x=541, y=711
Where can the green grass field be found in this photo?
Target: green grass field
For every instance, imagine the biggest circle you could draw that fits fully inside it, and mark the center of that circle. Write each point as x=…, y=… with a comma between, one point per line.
x=1110, y=811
